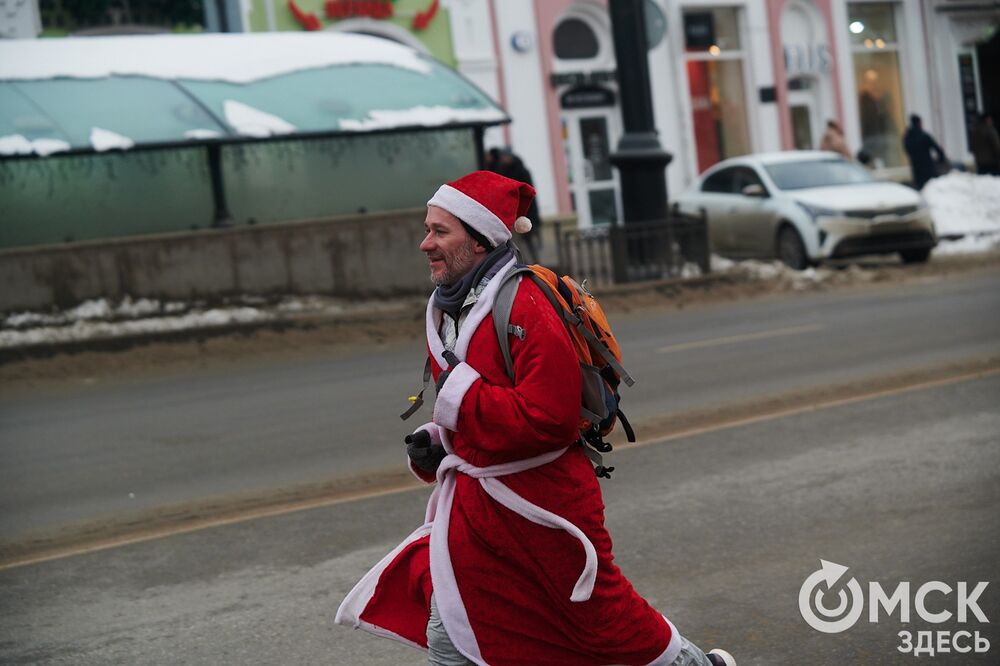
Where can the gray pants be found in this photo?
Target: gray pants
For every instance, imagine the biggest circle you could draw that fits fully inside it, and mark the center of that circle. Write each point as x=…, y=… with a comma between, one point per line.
x=441, y=652
x=691, y=655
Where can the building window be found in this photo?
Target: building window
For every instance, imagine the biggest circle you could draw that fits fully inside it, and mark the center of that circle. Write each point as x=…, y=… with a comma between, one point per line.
x=574, y=39
x=714, y=56
x=875, y=53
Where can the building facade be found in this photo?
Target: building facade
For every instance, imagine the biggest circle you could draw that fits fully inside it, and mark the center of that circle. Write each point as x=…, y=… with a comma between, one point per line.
x=727, y=77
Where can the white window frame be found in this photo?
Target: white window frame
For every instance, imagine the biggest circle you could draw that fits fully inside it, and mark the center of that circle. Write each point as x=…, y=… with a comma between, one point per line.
x=749, y=85
x=906, y=73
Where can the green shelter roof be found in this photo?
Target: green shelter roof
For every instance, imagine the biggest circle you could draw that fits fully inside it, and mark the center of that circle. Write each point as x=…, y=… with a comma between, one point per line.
x=105, y=93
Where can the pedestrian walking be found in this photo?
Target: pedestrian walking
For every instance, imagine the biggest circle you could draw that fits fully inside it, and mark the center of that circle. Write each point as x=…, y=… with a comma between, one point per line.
x=986, y=146
x=508, y=164
x=513, y=564
x=833, y=140
x=919, y=145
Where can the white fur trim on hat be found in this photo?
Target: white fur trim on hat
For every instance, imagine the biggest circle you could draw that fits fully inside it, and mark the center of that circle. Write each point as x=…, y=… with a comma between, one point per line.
x=522, y=225
x=473, y=213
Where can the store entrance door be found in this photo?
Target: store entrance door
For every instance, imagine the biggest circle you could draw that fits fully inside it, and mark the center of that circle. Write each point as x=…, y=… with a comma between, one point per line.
x=802, y=108
x=589, y=136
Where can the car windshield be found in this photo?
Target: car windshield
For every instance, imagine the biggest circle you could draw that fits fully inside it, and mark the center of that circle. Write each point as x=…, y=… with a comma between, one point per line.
x=817, y=173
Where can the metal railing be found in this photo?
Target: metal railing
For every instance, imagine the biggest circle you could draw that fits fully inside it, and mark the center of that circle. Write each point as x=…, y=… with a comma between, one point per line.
x=634, y=252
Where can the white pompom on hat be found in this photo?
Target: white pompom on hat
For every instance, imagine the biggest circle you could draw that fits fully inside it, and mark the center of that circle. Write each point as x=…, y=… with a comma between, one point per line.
x=492, y=204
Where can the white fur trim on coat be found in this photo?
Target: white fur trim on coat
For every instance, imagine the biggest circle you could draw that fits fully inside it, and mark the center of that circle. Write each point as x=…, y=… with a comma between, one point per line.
x=449, y=400
x=669, y=656
x=473, y=213
x=354, y=604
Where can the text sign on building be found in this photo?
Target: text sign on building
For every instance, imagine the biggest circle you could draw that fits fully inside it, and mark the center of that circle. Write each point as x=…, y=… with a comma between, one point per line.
x=582, y=78
x=587, y=97
x=807, y=59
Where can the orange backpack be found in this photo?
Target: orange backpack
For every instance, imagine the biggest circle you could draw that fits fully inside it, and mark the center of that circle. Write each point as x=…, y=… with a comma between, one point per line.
x=599, y=353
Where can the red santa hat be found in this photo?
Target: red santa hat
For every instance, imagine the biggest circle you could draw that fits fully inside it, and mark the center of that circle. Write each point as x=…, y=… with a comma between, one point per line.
x=492, y=204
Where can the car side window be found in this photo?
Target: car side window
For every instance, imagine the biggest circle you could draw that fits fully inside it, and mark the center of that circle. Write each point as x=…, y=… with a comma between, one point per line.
x=743, y=176
x=720, y=181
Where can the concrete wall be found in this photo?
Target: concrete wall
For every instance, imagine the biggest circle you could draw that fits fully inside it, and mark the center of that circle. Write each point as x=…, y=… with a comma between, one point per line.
x=352, y=257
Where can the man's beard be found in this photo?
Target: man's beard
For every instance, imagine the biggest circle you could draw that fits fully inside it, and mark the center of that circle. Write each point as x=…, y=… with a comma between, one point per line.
x=457, y=265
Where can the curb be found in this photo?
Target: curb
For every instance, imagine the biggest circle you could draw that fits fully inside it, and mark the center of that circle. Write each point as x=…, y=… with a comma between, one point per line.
x=403, y=311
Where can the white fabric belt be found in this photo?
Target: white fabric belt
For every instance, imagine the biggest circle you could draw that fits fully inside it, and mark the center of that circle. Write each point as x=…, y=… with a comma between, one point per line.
x=450, y=605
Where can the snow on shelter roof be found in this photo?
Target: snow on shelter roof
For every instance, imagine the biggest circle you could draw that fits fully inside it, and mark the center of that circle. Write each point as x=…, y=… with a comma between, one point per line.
x=75, y=93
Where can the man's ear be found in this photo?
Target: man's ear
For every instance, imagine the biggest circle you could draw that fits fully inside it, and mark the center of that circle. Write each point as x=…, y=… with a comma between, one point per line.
x=479, y=249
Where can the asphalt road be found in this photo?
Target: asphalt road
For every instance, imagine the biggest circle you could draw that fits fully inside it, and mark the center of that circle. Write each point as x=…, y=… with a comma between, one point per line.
x=717, y=530
x=105, y=452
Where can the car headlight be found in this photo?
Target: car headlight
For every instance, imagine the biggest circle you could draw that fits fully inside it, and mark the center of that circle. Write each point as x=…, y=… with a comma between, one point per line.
x=816, y=212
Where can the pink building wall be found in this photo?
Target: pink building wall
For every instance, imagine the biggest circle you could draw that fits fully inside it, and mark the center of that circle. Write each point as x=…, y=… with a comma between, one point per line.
x=774, y=11
x=547, y=14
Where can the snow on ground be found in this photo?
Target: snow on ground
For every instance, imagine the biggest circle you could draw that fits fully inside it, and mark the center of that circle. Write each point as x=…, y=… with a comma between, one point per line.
x=966, y=212
x=102, y=319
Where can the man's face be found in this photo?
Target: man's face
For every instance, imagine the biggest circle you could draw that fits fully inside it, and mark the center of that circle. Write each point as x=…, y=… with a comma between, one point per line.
x=451, y=251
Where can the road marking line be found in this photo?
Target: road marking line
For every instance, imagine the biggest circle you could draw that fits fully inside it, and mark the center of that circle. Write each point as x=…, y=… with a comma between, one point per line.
x=811, y=407
x=305, y=505
x=733, y=339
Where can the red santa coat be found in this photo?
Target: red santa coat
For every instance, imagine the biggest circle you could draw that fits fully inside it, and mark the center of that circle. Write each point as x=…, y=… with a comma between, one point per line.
x=514, y=545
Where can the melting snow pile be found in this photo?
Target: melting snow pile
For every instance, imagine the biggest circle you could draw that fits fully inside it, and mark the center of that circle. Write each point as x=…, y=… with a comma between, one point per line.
x=102, y=319
x=966, y=211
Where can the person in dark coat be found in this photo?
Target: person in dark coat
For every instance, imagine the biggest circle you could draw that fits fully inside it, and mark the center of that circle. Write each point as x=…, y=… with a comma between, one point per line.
x=919, y=145
x=510, y=165
x=986, y=146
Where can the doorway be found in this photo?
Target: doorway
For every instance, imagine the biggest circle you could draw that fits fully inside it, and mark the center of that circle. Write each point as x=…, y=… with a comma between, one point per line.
x=802, y=108
x=589, y=136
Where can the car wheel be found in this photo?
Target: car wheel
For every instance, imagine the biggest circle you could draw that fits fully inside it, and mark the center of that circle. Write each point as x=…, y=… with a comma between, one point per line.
x=917, y=256
x=791, y=251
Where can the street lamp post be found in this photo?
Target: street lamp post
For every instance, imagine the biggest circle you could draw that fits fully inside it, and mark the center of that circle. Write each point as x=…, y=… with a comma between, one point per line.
x=639, y=158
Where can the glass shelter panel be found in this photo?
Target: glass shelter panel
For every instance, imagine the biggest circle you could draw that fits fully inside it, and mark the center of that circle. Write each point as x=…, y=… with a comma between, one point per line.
x=81, y=197
x=298, y=179
x=142, y=109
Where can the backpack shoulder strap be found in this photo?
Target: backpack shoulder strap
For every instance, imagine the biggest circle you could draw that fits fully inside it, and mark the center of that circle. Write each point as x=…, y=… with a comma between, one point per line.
x=501, y=312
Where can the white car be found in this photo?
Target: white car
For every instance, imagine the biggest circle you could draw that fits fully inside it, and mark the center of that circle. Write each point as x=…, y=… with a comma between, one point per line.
x=806, y=206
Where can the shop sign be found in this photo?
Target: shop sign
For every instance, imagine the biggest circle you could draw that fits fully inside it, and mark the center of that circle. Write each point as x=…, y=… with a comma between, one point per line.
x=807, y=59
x=582, y=78
x=336, y=10
x=587, y=97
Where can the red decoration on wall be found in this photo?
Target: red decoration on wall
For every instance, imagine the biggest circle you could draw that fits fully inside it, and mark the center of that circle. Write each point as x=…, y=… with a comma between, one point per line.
x=423, y=19
x=376, y=9
x=341, y=9
x=309, y=21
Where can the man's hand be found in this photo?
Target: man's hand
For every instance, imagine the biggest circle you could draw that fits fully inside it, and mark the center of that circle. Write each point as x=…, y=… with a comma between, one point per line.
x=424, y=455
x=452, y=360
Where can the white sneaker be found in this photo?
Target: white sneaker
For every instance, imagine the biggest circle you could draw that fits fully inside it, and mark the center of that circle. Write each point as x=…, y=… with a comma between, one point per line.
x=721, y=658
